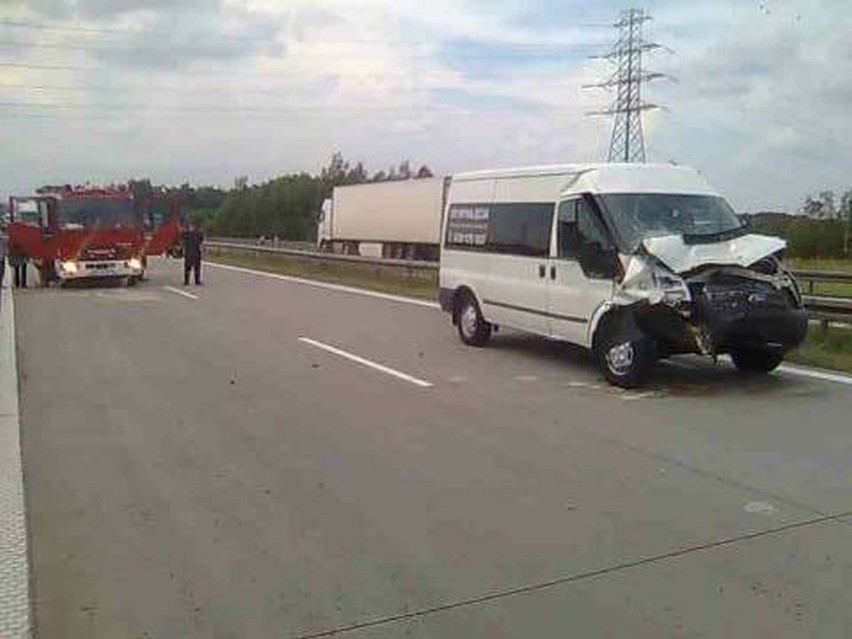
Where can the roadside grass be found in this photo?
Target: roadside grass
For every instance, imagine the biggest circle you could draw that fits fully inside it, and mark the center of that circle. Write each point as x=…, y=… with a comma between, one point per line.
x=829, y=348
x=415, y=283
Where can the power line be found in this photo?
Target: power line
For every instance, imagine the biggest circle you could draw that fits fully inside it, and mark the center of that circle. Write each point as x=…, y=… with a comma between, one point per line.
x=43, y=67
x=627, y=143
x=282, y=109
x=42, y=26
x=288, y=52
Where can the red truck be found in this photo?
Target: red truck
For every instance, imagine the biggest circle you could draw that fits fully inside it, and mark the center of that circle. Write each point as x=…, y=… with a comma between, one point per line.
x=74, y=233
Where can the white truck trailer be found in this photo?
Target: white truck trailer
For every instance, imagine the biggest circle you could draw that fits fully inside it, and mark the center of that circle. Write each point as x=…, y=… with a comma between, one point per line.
x=398, y=219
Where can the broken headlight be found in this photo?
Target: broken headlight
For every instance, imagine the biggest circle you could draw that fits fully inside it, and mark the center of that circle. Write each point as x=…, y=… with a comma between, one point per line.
x=651, y=280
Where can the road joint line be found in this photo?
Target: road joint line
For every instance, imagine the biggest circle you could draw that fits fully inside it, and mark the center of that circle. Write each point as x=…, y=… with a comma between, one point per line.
x=366, y=362
x=574, y=578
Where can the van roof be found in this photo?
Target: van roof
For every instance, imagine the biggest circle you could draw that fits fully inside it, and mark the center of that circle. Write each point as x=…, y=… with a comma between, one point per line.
x=605, y=178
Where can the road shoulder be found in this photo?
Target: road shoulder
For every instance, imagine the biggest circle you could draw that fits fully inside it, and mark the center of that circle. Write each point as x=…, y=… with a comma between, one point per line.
x=14, y=569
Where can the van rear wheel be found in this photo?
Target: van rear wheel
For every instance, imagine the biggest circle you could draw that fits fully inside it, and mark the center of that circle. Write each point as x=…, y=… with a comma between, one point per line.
x=624, y=356
x=473, y=329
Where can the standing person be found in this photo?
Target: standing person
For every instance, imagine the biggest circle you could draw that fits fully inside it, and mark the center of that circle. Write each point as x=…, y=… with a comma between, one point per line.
x=4, y=246
x=192, y=240
x=18, y=262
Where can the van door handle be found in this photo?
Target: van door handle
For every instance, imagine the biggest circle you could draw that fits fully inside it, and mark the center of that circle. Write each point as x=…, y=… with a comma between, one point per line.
x=541, y=270
x=553, y=272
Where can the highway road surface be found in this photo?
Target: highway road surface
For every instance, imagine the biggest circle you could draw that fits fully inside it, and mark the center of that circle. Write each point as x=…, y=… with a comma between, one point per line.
x=259, y=457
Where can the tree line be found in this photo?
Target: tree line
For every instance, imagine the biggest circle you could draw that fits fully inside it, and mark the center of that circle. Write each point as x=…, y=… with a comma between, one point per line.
x=821, y=228
x=285, y=206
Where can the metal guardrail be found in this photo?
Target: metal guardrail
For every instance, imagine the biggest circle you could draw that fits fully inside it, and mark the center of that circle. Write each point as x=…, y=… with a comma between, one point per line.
x=327, y=257
x=829, y=309
x=811, y=277
x=266, y=242
x=823, y=308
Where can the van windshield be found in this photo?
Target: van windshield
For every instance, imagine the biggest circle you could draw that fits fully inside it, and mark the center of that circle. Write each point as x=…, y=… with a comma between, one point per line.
x=637, y=216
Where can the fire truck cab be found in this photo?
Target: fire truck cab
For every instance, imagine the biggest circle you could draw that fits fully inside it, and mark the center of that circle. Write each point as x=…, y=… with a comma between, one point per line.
x=75, y=233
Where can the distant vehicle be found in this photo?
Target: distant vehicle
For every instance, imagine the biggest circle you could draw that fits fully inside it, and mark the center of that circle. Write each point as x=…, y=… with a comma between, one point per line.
x=634, y=261
x=74, y=233
x=397, y=219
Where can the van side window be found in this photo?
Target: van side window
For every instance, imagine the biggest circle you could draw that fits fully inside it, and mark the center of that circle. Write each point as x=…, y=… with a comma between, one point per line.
x=579, y=230
x=516, y=228
x=566, y=229
x=520, y=229
x=590, y=228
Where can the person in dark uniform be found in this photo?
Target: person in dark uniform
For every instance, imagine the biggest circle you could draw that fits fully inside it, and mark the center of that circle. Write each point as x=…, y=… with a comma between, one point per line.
x=18, y=261
x=192, y=240
x=4, y=248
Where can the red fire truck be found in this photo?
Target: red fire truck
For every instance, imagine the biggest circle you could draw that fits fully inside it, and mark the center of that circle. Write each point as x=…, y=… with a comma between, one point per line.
x=74, y=233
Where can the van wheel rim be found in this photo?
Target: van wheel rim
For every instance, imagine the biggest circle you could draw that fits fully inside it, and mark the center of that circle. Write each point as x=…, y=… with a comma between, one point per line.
x=619, y=358
x=469, y=320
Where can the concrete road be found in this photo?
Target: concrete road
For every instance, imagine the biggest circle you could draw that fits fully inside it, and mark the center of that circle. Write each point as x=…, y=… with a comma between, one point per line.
x=195, y=469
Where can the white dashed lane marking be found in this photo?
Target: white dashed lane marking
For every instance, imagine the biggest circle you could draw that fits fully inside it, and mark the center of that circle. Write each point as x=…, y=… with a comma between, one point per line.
x=177, y=291
x=387, y=370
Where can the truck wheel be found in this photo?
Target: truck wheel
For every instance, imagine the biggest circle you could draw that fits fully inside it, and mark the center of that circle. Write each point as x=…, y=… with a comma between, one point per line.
x=473, y=329
x=753, y=359
x=624, y=356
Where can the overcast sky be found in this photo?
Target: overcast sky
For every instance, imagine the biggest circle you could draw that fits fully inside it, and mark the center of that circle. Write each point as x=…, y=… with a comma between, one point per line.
x=207, y=90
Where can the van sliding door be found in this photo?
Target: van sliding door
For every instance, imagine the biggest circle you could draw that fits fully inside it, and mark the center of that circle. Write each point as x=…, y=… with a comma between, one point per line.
x=519, y=243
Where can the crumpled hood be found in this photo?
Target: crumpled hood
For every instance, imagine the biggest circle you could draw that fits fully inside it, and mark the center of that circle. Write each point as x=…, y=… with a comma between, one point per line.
x=681, y=257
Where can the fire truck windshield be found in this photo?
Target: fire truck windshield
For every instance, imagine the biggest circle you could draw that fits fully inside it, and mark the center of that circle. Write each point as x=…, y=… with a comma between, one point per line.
x=97, y=213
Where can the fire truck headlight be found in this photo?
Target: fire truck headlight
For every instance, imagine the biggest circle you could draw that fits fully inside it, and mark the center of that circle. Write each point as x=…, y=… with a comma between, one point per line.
x=69, y=267
x=135, y=263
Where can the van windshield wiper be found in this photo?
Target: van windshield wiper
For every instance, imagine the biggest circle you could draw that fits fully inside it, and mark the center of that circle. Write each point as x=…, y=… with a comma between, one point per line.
x=720, y=236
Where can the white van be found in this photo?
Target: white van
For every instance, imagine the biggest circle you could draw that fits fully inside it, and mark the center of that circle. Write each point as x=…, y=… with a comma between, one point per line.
x=634, y=261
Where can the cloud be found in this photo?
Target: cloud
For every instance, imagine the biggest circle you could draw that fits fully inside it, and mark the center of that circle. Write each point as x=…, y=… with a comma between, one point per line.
x=761, y=101
x=178, y=38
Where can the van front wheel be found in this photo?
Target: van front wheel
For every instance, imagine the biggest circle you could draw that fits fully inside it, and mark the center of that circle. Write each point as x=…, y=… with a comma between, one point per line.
x=624, y=357
x=749, y=359
x=473, y=329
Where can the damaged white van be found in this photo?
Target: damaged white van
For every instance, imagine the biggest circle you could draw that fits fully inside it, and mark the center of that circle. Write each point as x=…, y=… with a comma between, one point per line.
x=634, y=261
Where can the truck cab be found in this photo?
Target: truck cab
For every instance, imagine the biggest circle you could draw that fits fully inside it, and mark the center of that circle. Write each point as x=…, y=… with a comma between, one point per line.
x=77, y=233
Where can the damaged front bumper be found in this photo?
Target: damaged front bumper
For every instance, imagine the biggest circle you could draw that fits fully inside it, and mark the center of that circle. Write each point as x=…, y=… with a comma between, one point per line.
x=720, y=316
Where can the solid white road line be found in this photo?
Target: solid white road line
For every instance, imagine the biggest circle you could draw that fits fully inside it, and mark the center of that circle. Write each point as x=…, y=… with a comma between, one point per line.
x=180, y=292
x=816, y=374
x=801, y=371
x=328, y=286
x=14, y=568
x=366, y=362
